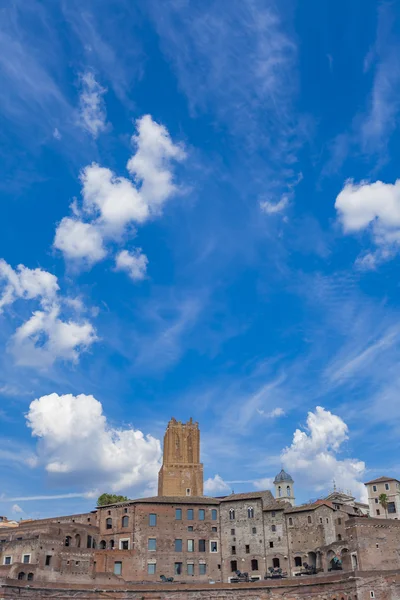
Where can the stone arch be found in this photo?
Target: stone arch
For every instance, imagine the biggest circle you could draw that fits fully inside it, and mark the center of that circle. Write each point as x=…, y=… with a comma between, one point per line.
x=112, y=544
x=68, y=540
x=78, y=540
x=102, y=545
x=312, y=559
x=21, y=575
x=276, y=563
x=30, y=577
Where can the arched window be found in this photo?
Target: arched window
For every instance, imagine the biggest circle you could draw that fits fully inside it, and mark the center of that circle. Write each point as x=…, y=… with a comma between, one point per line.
x=30, y=577
x=339, y=537
x=94, y=543
x=125, y=521
x=102, y=545
x=231, y=514
x=250, y=512
x=89, y=541
x=21, y=575
x=288, y=491
x=276, y=563
x=309, y=519
x=67, y=540
x=254, y=564
x=290, y=521
x=279, y=491
x=111, y=544
x=109, y=523
x=78, y=540
x=273, y=527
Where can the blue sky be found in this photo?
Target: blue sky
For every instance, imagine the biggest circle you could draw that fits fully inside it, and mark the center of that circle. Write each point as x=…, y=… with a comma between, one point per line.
x=200, y=217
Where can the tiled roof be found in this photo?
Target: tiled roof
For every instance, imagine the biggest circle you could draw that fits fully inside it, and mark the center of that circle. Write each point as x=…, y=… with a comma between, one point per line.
x=313, y=506
x=381, y=480
x=265, y=495
x=167, y=500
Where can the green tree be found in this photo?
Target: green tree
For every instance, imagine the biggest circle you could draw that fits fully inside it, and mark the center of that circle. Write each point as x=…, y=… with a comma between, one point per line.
x=105, y=499
x=383, y=501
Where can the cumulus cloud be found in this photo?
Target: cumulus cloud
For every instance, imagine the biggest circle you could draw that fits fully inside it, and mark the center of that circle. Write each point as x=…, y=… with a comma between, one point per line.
x=70, y=427
x=16, y=509
x=267, y=483
x=26, y=284
x=45, y=337
x=79, y=241
x=313, y=455
x=135, y=264
x=216, y=485
x=112, y=206
x=92, y=112
x=375, y=208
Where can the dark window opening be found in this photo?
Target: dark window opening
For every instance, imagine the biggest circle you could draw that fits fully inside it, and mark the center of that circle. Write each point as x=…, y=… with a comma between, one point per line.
x=233, y=566
x=232, y=532
x=276, y=563
x=309, y=519
x=108, y=523
x=125, y=521
x=250, y=513
x=202, y=545
x=231, y=514
x=233, y=550
x=30, y=577
x=111, y=544
x=290, y=521
x=254, y=565
x=247, y=548
x=89, y=541
x=271, y=544
x=391, y=507
x=297, y=561
x=214, y=529
x=21, y=575
x=125, y=545
x=68, y=540
x=102, y=545
x=48, y=560
x=178, y=568
x=254, y=530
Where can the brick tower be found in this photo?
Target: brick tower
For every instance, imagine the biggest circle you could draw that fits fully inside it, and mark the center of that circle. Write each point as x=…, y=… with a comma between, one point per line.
x=181, y=473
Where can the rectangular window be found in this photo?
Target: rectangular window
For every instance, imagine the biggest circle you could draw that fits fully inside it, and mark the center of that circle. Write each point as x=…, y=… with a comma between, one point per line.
x=254, y=530
x=26, y=559
x=214, y=529
x=232, y=532
x=387, y=486
x=247, y=548
x=339, y=521
x=152, y=544
x=374, y=488
x=297, y=561
x=190, y=514
x=391, y=507
x=152, y=520
x=48, y=560
x=190, y=545
x=124, y=544
x=271, y=544
x=233, y=566
x=376, y=500
x=213, y=546
x=320, y=519
x=151, y=568
x=178, y=545
x=178, y=568
x=378, y=512
x=202, y=514
x=273, y=528
x=8, y=560
x=202, y=569
x=178, y=514
x=118, y=568
x=190, y=528
x=214, y=514
x=190, y=569
x=233, y=550
x=273, y=513
x=202, y=545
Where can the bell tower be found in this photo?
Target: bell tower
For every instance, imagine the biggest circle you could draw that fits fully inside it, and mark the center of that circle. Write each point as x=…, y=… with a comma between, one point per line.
x=181, y=473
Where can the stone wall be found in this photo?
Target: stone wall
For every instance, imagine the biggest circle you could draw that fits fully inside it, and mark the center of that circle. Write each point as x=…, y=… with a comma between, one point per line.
x=375, y=542
x=350, y=586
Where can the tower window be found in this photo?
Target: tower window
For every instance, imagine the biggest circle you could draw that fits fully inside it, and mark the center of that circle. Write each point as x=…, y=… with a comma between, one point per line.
x=231, y=514
x=288, y=491
x=250, y=512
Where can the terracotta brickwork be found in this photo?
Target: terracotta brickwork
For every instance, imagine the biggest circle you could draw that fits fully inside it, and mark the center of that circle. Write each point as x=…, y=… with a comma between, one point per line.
x=181, y=473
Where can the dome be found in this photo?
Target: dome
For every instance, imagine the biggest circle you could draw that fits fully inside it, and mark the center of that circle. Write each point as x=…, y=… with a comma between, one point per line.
x=283, y=477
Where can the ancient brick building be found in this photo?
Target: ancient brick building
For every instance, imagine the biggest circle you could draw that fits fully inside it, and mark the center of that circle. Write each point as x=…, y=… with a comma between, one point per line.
x=203, y=541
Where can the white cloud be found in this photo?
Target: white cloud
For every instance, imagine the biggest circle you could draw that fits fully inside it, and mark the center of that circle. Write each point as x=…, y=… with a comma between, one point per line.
x=216, y=485
x=312, y=456
x=276, y=412
x=272, y=208
x=135, y=264
x=45, y=337
x=114, y=205
x=56, y=134
x=92, y=112
x=373, y=207
x=116, y=199
x=71, y=427
x=79, y=241
x=16, y=509
x=150, y=164
x=267, y=483
x=26, y=284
